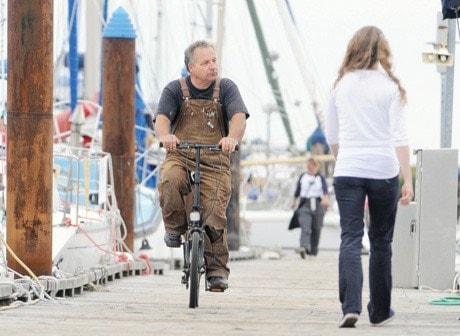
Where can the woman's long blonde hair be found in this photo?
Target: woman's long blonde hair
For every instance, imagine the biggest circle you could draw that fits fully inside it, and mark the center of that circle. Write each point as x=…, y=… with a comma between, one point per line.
x=367, y=47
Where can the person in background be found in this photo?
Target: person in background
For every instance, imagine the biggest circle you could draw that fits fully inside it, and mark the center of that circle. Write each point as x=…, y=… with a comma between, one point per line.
x=314, y=199
x=365, y=129
x=200, y=108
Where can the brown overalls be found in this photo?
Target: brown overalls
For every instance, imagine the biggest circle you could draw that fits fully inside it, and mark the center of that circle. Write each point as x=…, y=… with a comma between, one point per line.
x=199, y=121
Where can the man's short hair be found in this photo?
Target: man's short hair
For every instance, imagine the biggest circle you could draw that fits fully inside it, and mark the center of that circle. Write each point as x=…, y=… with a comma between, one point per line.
x=189, y=53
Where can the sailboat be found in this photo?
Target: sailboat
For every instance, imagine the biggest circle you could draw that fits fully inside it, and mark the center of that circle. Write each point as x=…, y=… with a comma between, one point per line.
x=88, y=114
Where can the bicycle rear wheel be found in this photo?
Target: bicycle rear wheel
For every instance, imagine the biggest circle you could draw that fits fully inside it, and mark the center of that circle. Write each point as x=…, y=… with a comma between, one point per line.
x=195, y=270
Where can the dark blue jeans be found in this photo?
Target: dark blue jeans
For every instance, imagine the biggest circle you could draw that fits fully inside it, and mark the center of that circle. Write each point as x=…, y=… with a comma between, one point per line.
x=382, y=197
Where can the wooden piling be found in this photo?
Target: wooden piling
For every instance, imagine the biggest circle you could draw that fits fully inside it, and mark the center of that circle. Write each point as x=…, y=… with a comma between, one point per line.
x=30, y=132
x=118, y=127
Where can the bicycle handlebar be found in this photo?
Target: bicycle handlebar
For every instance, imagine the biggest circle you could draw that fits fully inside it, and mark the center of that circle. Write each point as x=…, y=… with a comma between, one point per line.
x=190, y=145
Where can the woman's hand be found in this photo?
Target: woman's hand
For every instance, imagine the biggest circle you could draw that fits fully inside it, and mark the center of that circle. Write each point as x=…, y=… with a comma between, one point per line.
x=407, y=192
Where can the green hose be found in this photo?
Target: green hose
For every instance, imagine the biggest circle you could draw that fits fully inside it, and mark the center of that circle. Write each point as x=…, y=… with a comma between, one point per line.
x=446, y=301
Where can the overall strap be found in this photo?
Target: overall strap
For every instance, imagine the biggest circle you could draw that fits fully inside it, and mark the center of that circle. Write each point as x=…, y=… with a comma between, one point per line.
x=216, y=91
x=184, y=88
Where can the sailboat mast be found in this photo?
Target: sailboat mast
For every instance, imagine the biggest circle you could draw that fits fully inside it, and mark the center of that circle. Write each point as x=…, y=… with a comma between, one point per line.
x=220, y=30
x=92, y=67
x=2, y=62
x=301, y=54
x=269, y=70
x=159, y=48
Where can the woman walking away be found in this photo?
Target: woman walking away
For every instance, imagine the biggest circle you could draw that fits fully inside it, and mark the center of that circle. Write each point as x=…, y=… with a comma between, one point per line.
x=366, y=131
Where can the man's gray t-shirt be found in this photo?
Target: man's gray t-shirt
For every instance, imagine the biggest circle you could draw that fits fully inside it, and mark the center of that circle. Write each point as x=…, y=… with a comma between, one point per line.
x=172, y=98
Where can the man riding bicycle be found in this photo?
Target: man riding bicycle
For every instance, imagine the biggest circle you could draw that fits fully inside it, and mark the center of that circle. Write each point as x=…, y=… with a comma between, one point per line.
x=201, y=108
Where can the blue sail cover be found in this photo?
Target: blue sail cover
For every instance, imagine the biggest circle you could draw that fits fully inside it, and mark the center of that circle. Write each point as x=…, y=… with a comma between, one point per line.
x=317, y=137
x=73, y=58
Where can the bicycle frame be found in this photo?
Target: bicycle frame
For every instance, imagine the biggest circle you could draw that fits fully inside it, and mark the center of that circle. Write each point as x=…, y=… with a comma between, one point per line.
x=194, y=262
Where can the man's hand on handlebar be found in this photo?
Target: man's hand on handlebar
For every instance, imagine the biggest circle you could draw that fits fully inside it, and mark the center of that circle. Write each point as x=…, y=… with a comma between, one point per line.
x=228, y=144
x=169, y=141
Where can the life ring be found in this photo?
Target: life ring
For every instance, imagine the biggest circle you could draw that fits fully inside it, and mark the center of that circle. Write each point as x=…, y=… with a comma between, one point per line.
x=62, y=125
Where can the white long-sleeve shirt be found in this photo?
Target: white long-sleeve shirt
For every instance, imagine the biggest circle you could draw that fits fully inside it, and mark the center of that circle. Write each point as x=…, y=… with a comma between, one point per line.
x=365, y=118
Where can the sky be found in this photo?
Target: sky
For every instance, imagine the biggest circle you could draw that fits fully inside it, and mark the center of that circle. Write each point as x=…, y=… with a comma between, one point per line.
x=324, y=28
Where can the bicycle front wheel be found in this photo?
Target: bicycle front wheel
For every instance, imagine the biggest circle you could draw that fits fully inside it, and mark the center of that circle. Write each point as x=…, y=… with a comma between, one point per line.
x=195, y=270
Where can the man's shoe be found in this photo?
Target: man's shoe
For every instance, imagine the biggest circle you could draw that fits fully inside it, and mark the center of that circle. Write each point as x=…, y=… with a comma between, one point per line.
x=386, y=321
x=217, y=283
x=349, y=320
x=172, y=240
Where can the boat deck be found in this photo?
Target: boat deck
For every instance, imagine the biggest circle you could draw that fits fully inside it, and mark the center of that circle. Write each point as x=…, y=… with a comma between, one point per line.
x=273, y=294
